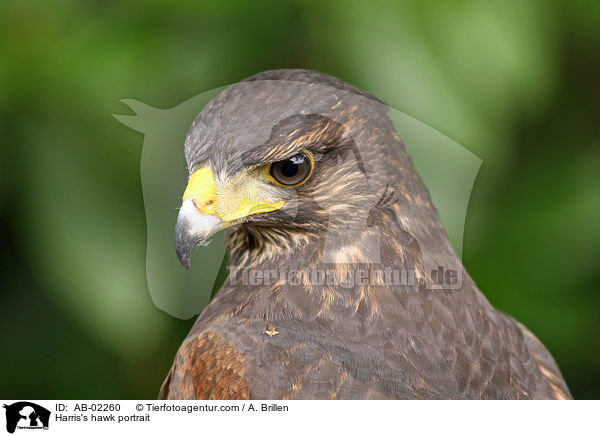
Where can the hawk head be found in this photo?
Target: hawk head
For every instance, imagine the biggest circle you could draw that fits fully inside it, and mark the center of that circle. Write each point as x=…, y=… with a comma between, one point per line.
x=287, y=159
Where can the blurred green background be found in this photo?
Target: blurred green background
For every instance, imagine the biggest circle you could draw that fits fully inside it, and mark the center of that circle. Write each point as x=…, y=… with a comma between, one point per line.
x=516, y=82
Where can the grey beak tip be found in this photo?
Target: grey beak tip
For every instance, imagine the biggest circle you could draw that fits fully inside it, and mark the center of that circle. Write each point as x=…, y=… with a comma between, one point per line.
x=184, y=259
x=192, y=228
x=183, y=247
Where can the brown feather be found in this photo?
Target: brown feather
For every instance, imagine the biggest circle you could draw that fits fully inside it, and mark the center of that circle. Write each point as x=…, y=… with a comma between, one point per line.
x=353, y=342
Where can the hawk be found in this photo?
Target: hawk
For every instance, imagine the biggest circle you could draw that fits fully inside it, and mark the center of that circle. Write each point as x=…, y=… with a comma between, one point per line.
x=333, y=245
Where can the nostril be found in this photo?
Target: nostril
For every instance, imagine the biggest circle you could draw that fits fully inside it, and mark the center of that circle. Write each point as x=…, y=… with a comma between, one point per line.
x=207, y=206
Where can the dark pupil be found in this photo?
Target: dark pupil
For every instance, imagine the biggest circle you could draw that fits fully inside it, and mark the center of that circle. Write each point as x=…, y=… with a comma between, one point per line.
x=289, y=168
x=291, y=171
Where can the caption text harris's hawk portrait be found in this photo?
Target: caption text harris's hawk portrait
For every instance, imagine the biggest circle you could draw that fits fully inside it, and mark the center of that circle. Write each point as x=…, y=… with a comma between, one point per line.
x=333, y=246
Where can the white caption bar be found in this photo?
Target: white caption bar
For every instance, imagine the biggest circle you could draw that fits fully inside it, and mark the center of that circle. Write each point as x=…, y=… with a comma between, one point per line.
x=284, y=418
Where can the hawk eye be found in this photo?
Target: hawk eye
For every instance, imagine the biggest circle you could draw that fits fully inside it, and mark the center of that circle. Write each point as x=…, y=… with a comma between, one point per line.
x=292, y=172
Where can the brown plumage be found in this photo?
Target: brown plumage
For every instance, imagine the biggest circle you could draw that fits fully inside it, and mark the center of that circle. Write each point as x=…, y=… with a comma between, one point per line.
x=363, y=209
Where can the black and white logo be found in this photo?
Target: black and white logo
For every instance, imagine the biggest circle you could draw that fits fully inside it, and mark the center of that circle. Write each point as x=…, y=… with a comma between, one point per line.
x=26, y=415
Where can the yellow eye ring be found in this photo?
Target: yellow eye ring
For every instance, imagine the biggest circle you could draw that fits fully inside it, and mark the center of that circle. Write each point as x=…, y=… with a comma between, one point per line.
x=291, y=172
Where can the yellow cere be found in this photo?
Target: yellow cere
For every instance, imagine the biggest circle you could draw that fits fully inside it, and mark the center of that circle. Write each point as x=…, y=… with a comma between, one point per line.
x=202, y=190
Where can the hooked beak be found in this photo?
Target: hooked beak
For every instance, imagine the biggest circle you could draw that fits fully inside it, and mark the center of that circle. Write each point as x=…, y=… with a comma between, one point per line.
x=203, y=213
x=193, y=228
